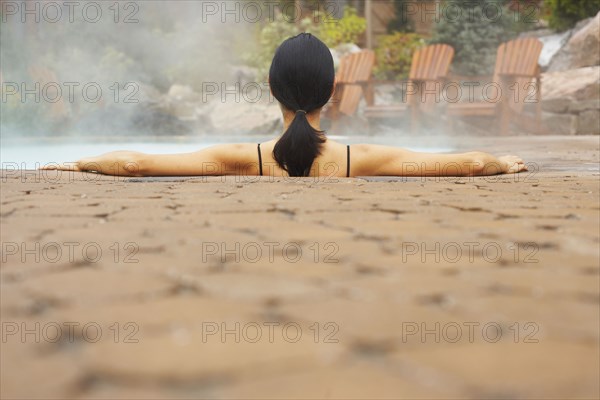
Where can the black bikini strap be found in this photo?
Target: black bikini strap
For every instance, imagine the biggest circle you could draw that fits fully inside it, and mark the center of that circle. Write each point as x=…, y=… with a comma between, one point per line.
x=260, y=161
x=347, y=161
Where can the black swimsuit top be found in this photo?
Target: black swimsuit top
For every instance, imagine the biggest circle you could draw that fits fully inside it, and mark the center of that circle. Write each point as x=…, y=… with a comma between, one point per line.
x=347, y=161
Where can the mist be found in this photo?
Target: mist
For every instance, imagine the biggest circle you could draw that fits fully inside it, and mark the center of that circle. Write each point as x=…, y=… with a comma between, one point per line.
x=86, y=69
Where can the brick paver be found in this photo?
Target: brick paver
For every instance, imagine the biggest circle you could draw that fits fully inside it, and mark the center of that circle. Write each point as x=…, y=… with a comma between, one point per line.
x=359, y=288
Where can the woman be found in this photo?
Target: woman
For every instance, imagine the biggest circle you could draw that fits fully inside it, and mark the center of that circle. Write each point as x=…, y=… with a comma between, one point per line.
x=302, y=79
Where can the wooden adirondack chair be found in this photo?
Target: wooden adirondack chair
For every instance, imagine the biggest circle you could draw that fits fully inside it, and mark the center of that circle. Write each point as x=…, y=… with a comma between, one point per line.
x=428, y=70
x=517, y=73
x=354, y=71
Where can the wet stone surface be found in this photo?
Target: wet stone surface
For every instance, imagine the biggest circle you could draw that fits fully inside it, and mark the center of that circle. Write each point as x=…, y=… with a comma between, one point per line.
x=267, y=288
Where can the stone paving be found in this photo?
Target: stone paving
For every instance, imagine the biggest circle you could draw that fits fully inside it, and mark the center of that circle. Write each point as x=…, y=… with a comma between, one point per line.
x=233, y=288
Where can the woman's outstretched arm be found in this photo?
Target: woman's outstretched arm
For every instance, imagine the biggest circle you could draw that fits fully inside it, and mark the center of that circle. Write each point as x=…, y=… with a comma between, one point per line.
x=386, y=160
x=226, y=159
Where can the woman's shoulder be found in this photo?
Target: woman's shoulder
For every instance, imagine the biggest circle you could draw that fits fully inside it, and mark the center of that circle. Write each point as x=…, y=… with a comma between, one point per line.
x=366, y=159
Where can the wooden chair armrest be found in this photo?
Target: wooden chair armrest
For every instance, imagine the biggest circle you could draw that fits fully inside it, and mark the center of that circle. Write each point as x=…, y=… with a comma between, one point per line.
x=376, y=82
x=517, y=75
x=478, y=78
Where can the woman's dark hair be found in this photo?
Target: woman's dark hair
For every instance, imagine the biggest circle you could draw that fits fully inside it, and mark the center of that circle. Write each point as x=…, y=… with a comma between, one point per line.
x=301, y=79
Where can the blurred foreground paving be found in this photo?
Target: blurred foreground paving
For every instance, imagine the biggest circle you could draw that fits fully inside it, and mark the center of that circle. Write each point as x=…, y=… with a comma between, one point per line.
x=356, y=288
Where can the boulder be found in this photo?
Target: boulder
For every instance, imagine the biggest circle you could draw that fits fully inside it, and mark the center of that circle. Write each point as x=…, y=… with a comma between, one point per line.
x=589, y=123
x=585, y=105
x=581, y=50
x=560, y=124
x=578, y=85
x=571, y=101
x=556, y=105
x=245, y=115
x=584, y=44
x=232, y=109
x=181, y=102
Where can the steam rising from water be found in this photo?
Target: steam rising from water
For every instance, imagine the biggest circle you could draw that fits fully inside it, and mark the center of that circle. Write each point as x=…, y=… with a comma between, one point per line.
x=110, y=63
x=130, y=51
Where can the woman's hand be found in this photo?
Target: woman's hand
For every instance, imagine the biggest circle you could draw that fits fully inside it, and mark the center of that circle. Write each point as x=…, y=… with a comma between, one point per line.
x=121, y=163
x=512, y=164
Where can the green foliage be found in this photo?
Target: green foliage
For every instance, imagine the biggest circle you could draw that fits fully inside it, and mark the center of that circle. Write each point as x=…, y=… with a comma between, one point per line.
x=564, y=14
x=345, y=30
x=475, y=35
x=401, y=22
x=269, y=38
x=332, y=32
x=394, y=55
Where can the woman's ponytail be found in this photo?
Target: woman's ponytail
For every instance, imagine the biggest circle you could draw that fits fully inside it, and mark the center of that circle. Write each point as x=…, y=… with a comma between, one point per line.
x=299, y=146
x=301, y=79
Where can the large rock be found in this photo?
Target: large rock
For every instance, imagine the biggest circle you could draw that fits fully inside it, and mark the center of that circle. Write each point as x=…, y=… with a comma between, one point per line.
x=571, y=101
x=589, y=123
x=578, y=85
x=581, y=49
x=247, y=113
x=227, y=109
x=182, y=102
x=560, y=124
